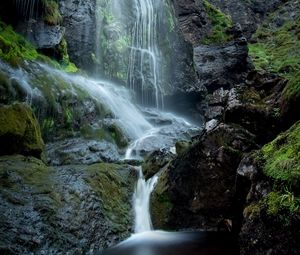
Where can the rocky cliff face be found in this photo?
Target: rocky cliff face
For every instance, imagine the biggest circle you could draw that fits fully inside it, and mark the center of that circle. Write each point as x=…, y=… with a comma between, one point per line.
x=257, y=195
x=79, y=20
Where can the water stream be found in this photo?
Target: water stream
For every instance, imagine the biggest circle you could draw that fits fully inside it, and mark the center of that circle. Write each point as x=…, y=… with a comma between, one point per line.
x=141, y=202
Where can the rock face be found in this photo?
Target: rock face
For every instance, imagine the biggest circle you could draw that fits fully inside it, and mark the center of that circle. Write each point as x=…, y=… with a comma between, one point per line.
x=221, y=66
x=41, y=35
x=19, y=131
x=193, y=19
x=200, y=184
x=249, y=14
x=72, y=209
x=79, y=19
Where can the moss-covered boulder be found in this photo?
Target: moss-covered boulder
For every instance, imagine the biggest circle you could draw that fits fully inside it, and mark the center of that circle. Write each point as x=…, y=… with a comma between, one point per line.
x=19, y=131
x=281, y=157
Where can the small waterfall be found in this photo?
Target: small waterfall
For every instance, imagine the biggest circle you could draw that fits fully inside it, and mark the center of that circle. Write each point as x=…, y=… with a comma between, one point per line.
x=141, y=200
x=144, y=70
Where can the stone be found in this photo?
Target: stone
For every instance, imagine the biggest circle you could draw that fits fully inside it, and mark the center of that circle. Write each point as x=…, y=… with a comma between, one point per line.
x=156, y=161
x=20, y=131
x=41, y=35
x=221, y=65
x=199, y=184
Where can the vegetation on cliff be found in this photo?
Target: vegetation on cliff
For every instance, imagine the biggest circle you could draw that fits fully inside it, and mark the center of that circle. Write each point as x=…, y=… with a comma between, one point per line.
x=276, y=48
x=220, y=24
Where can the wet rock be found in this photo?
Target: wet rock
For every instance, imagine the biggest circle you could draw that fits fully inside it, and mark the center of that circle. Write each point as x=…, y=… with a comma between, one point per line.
x=193, y=20
x=81, y=151
x=79, y=19
x=256, y=106
x=221, y=66
x=210, y=125
x=249, y=14
x=41, y=35
x=200, y=184
x=20, y=131
x=155, y=161
x=72, y=209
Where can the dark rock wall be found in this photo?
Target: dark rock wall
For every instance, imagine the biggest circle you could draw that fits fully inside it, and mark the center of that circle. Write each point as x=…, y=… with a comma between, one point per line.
x=79, y=20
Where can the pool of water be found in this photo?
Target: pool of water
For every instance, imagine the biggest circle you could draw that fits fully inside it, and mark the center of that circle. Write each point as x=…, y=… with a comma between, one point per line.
x=176, y=243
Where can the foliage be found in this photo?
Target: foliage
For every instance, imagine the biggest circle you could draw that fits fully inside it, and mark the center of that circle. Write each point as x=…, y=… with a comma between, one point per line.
x=282, y=206
x=282, y=157
x=220, y=24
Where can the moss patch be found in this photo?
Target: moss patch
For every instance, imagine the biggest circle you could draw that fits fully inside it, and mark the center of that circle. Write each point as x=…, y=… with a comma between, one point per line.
x=20, y=131
x=277, y=48
x=13, y=47
x=113, y=188
x=220, y=24
x=282, y=157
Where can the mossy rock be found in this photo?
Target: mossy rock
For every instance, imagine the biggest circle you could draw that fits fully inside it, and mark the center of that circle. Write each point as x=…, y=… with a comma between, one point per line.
x=220, y=24
x=161, y=205
x=20, y=131
x=276, y=49
x=113, y=183
x=282, y=157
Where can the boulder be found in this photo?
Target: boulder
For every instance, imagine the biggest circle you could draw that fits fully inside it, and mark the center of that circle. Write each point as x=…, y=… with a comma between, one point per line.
x=199, y=185
x=155, y=161
x=20, y=131
x=73, y=209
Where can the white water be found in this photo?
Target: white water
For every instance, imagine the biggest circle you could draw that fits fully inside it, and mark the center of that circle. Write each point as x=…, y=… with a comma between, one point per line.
x=115, y=97
x=144, y=56
x=141, y=200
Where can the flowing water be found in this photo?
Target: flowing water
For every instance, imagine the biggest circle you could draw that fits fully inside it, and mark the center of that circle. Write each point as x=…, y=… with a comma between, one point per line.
x=144, y=56
x=141, y=202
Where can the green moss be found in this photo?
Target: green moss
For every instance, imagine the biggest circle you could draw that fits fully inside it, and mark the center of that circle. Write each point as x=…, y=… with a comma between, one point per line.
x=51, y=12
x=282, y=157
x=113, y=189
x=32, y=172
x=220, y=24
x=20, y=130
x=13, y=47
x=277, y=49
x=282, y=206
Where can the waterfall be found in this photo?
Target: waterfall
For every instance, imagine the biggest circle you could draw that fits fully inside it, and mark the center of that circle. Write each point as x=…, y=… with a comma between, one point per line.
x=141, y=200
x=115, y=97
x=144, y=69
x=27, y=8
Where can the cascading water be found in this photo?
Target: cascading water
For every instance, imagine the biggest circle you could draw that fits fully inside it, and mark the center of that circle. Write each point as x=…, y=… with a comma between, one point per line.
x=141, y=199
x=144, y=68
